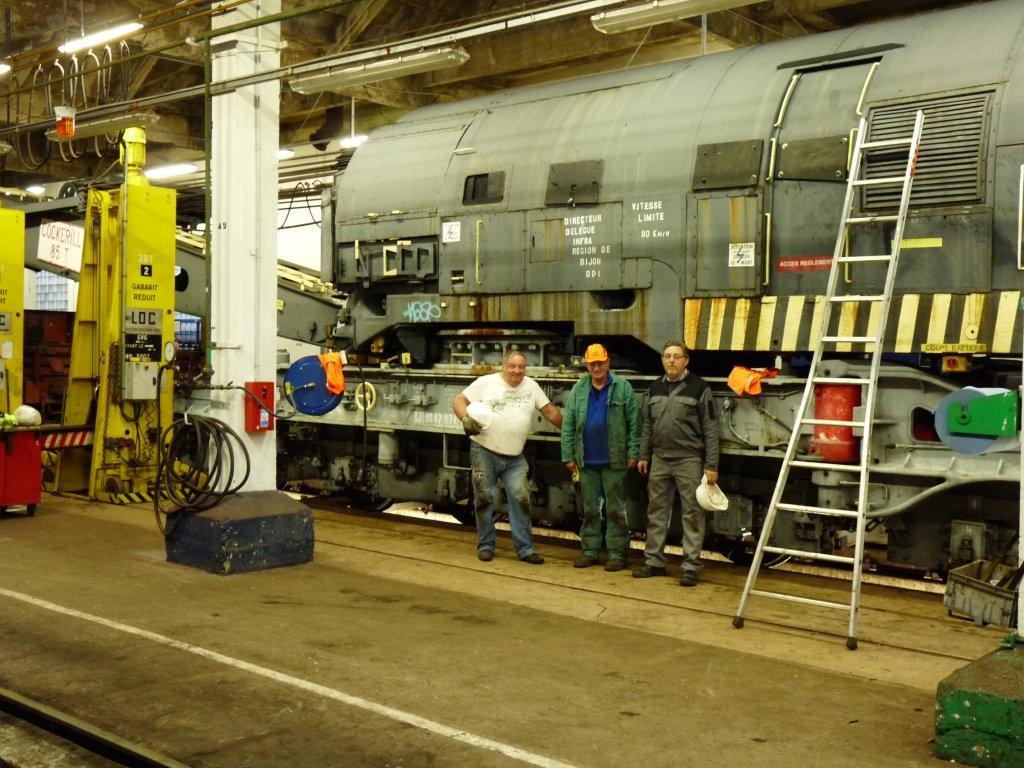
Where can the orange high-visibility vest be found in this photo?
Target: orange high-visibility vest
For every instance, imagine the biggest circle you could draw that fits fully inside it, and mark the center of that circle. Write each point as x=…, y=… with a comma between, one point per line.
x=746, y=381
x=335, y=370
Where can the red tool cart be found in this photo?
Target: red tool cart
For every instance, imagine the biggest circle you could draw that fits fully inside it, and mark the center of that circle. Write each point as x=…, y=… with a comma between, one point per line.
x=21, y=469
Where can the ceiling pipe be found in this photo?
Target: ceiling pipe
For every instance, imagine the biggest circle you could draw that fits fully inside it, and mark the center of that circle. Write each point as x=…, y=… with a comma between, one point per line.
x=466, y=32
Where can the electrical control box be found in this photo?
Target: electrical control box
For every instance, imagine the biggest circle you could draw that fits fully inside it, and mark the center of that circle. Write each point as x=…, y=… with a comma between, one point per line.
x=139, y=382
x=259, y=419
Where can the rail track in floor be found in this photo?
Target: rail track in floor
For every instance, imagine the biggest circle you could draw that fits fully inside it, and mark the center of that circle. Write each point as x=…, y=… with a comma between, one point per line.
x=68, y=740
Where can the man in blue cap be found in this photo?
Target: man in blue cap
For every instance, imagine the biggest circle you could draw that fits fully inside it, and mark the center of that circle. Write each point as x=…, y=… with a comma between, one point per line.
x=601, y=441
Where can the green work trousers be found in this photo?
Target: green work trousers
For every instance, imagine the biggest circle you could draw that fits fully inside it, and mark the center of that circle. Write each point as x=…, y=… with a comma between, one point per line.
x=604, y=499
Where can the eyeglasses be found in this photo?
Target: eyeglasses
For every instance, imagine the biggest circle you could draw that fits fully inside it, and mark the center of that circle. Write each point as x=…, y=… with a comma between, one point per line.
x=675, y=357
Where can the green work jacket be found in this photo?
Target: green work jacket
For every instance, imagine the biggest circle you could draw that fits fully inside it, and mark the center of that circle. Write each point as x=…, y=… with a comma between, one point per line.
x=623, y=422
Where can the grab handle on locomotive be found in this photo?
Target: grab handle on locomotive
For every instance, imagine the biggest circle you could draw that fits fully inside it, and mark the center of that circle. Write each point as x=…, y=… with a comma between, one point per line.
x=479, y=226
x=864, y=89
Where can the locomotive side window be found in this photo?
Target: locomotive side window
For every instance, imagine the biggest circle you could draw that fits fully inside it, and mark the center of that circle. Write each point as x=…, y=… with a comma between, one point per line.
x=484, y=188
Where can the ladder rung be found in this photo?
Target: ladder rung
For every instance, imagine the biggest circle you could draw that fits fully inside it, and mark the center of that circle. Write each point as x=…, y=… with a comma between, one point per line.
x=849, y=339
x=810, y=555
x=825, y=511
x=880, y=257
x=797, y=599
x=871, y=219
x=825, y=465
x=853, y=298
x=880, y=181
x=833, y=423
x=839, y=380
x=882, y=143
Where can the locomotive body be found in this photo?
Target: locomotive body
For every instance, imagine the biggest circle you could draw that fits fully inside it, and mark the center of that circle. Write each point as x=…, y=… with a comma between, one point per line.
x=696, y=199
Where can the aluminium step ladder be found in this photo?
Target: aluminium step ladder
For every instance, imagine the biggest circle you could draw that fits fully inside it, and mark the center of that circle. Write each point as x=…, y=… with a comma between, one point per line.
x=829, y=342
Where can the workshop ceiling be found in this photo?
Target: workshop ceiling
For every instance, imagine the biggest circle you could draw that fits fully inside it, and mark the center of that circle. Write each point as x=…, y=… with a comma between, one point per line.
x=164, y=62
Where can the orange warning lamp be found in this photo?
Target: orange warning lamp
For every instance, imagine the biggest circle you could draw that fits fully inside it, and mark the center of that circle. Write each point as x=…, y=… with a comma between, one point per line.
x=955, y=364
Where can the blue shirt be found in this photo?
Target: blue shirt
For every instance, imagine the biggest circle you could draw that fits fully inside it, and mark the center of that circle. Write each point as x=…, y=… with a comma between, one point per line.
x=595, y=434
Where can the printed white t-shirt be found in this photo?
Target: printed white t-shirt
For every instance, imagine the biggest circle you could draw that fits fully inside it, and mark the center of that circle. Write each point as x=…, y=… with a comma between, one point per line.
x=513, y=409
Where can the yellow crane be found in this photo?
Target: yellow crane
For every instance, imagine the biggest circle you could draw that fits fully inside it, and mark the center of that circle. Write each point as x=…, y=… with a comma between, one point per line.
x=120, y=383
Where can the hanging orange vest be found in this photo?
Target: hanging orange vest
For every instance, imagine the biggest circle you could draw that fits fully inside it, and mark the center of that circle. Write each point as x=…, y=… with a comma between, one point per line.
x=335, y=370
x=746, y=381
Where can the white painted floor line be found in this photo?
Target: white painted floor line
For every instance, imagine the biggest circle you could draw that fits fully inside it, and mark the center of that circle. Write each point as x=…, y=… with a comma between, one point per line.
x=416, y=721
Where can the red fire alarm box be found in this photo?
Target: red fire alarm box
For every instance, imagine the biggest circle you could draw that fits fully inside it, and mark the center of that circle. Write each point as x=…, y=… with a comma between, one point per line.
x=257, y=419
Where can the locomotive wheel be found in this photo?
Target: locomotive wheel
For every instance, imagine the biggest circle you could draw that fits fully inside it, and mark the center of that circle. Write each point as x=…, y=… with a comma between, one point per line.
x=374, y=504
x=739, y=555
x=462, y=512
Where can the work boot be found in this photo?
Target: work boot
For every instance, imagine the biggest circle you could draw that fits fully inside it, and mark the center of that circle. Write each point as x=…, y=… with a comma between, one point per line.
x=646, y=571
x=486, y=555
x=614, y=564
x=689, y=579
x=533, y=559
x=584, y=561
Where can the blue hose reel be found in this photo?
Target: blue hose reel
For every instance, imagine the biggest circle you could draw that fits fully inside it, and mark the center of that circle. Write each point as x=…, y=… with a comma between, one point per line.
x=305, y=384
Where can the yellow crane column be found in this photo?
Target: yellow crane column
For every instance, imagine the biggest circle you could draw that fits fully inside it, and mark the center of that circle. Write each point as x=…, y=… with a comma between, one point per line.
x=12, y=308
x=124, y=333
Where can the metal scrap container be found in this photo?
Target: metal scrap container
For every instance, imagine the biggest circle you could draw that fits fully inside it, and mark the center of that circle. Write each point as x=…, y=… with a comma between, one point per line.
x=984, y=602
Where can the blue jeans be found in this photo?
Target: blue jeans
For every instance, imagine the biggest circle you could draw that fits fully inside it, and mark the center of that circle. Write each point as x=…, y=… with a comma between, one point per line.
x=488, y=470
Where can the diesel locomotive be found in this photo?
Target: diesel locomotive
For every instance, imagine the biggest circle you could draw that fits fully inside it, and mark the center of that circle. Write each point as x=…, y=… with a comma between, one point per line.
x=697, y=199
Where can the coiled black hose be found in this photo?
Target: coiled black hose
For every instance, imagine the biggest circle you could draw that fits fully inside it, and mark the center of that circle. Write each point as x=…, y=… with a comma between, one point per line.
x=199, y=459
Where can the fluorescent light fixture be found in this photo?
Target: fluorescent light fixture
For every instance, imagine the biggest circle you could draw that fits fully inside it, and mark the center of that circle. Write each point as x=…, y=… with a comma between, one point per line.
x=351, y=142
x=659, y=12
x=98, y=38
x=4, y=69
x=105, y=125
x=170, y=171
x=333, y=79
x=35, y=189
x=285, y=154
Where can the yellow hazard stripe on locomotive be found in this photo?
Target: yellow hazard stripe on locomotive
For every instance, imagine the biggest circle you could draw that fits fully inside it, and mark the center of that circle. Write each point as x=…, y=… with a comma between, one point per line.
x=930, y=323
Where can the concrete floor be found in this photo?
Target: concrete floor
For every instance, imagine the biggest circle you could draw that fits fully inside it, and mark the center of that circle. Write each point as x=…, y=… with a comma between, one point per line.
x=331, y=663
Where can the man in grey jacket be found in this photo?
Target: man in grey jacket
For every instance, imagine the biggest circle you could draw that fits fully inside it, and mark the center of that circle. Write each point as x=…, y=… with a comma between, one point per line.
x=679, y=445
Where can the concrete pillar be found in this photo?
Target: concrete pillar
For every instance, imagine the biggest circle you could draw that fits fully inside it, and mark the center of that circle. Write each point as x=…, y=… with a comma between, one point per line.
x=243, y=323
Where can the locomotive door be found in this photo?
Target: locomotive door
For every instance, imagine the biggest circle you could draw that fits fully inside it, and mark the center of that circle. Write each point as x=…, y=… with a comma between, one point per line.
x=809, y=155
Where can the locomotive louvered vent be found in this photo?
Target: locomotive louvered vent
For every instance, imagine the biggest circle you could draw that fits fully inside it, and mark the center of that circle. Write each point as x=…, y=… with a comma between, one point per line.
x=951, y=166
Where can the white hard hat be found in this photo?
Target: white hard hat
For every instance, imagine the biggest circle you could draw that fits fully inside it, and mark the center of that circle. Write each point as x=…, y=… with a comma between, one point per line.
x=710, y=496
x=481, y=413
x=27, y=416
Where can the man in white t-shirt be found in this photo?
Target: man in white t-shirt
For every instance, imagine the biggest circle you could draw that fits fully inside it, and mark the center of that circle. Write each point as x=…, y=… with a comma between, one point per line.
x=496, y=450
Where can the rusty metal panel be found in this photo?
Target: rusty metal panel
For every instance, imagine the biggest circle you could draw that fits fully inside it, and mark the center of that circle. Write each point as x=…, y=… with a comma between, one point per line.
x=726, y=244
x=574, y=183
x=547, y=241
x=483, y=253
x=575, y=248
x=727, y=165
x=821, y=159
